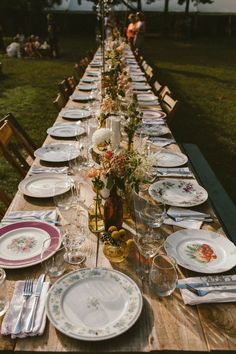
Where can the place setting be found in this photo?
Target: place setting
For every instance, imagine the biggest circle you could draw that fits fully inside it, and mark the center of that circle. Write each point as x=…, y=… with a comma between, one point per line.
x=66, y=131
x=75, y=113
x=57, y=152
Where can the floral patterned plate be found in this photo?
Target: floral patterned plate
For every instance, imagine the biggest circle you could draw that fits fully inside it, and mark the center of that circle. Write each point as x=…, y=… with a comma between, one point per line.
x=178, y=192
x=57, y=152
x=21, y=243
x=201, y=251
x=109, y=304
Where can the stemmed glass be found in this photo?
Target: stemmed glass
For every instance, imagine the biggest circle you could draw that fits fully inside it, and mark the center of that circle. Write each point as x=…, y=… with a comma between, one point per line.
x=149, y=216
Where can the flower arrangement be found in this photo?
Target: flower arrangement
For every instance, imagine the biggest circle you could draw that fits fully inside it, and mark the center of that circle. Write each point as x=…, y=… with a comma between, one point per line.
x=133, y=118
x=101, y=138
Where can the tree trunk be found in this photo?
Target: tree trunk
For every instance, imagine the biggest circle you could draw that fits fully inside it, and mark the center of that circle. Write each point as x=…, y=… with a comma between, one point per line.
x=187, y=7
x=139, y=5
x=166, y=9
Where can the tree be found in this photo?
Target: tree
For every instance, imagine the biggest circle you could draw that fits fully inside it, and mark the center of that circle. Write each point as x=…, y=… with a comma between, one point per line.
x=195, y=2
x=27, y=5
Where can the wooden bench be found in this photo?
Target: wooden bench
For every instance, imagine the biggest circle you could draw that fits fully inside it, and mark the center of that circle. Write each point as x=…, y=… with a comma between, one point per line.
x=222, y=204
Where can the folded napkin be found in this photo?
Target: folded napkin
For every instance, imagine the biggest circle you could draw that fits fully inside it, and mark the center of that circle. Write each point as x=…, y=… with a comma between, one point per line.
x=42, y=215
x=187, y=224
x=172, y=172
x=40, y=169
x=9, y=320
x=213, y=297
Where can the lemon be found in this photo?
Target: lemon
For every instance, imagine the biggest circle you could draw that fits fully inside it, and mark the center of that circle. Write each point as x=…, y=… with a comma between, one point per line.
x=112, y=228
x=122, y=232
x=115, y=235
x=130, y=242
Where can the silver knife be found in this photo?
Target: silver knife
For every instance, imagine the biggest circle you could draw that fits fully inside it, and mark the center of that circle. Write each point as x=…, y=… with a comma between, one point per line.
x=206, y=284
x=37, y=293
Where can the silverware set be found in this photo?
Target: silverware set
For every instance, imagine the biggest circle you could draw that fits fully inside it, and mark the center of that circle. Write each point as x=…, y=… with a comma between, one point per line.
x=195, y=217
x=27, y=293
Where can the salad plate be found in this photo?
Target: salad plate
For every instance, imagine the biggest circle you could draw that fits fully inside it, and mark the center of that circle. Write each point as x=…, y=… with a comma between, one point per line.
x=89, y=79
x=45, y=185
x=57, y=152
x=75, y=113
x=137, y=78
x=168, y=158
x=178, y=192
x=201, y=250
x=66, y=131
x=21, y=243
x=109, y=304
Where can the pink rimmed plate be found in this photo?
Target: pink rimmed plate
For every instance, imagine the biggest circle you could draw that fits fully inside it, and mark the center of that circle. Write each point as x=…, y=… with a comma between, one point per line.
x=21, y=243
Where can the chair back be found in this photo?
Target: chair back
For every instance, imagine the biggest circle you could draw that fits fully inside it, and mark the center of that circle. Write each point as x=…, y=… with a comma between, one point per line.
x=164, y=90
x=59, y=102
x=168, y=103
x=15, y=147
x=156, y=87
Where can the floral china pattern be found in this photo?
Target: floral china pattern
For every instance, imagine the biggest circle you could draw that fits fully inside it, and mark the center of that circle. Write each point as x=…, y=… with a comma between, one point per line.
x=22, y=244
x=202, y=253
x=195, y=193
x=80, y=331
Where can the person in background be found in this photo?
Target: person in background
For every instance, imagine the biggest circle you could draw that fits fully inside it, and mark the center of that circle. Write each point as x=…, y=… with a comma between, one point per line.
x=131, y=29
x=140, y=31
x=13, y=50
x=52, y=36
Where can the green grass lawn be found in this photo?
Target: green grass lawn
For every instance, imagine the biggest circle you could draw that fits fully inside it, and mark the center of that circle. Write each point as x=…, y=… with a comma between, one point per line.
x=28, y=89
x=201, y=74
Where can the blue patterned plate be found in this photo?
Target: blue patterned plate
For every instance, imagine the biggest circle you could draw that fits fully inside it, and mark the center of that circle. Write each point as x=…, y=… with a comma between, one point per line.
x=94, y=304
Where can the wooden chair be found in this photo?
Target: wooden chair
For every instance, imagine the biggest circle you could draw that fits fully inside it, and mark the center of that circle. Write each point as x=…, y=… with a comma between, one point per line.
x=4, y=203
x=64, y=88
x=15, y=147
x=60, y=102
x=164, y=90
x=168, y=103
x=72, y=83
x=156, y=87
x=14, y=122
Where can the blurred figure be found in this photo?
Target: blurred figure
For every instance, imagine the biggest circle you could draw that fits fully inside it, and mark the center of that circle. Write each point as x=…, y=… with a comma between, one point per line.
x=13, y=50
x=52, y=36
x=130, y=32
x=140, y=31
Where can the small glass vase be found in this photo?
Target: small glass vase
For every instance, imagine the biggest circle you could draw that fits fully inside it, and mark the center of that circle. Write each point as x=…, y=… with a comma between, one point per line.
x=96, y=216
x=116, y=253
x=113, y=210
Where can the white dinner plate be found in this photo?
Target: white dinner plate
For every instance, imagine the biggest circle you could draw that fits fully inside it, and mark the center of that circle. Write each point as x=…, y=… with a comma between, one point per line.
x=57, y=152
x=178, y=192
x=201, y=251
x=89, y=79
x=152, y=114
x=140, y=86
x=79, y=113
x=93, y=73
x=136, y=78
x=154, y=130
x=94, y=304
x=21, y=243
x=82, y=97
x=86, y=87
x=146, y=97
x=66, y=130
x=168, y=158
x=45, y=185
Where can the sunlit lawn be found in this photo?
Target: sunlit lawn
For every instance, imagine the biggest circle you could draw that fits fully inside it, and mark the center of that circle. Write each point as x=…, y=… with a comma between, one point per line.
x=200, y=73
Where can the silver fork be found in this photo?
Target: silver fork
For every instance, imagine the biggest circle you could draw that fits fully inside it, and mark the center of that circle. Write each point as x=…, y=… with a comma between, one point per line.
x=200, y=292
x=27, y=292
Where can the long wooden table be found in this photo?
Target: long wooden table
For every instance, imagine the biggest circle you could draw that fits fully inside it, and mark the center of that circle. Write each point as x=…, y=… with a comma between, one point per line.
x=165, y=325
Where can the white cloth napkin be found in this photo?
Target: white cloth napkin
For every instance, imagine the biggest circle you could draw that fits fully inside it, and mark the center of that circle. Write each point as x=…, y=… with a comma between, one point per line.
x=43, y=215
x=41, y=169
x=213, y=297
x=187, y=224
x=9, y=320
